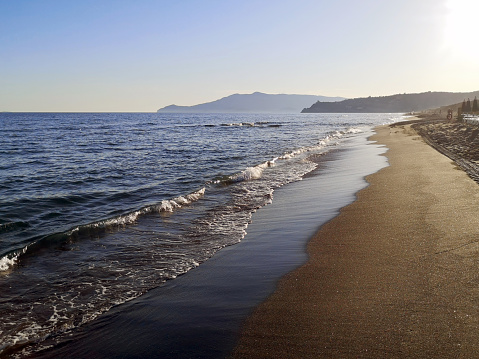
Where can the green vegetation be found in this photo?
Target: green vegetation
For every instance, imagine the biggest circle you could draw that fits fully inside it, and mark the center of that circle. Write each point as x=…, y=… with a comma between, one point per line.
x=466, y=107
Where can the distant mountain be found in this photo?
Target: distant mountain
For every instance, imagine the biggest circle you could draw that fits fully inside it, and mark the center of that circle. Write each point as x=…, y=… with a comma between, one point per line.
x=394, y=103
x=253, y=103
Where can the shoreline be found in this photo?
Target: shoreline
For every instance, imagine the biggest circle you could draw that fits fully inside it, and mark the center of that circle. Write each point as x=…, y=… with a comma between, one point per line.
x=393, y=275
x=200, y=314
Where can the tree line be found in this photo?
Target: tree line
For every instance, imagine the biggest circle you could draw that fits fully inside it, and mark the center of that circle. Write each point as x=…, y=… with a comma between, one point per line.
x=467, y=108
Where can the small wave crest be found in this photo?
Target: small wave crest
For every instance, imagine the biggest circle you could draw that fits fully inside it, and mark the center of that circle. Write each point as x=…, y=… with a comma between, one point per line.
x=353, y=130
x=252, y=124
x=261, y=124
x=10, y=259
x=178, y=202
x=241, y=124
x=249, y=174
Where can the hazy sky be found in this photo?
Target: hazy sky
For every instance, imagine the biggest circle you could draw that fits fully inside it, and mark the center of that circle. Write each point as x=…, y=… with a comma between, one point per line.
x=140, y=55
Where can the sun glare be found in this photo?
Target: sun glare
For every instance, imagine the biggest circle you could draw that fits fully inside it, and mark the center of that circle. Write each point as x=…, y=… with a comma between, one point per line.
x=461, y=28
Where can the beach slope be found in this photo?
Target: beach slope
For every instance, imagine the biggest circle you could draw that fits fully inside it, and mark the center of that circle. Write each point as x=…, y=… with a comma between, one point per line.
x=395, y=275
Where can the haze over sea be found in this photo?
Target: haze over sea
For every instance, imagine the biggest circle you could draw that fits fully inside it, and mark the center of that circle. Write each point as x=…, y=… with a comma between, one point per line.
x=99, y=208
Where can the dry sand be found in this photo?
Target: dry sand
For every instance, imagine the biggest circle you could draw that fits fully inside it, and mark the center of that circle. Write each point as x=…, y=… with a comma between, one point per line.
x=395, y=275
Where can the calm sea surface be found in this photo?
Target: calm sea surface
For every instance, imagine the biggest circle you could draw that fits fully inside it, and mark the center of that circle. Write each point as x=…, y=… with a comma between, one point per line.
x=96, y=209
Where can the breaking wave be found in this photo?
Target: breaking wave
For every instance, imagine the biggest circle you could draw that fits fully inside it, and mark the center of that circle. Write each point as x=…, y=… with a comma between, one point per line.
x=7, y=261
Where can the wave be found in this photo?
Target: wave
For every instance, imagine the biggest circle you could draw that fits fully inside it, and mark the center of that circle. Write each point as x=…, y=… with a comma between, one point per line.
x=178, y=202
x=251, y=173
x=236, y=124
x=329, y=139
x=255, y=172
x=246, y=124
x=252, y=124
x=10, y=259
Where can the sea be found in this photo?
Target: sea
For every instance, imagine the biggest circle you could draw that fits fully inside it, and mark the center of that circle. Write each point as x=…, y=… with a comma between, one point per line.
x=97, y=209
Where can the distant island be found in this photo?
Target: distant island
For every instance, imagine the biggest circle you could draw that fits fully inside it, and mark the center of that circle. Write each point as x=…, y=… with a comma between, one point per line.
x=253, y=103
x=395, y=103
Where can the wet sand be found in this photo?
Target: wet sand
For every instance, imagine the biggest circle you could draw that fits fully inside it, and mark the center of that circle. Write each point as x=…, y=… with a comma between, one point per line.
x=395, y=275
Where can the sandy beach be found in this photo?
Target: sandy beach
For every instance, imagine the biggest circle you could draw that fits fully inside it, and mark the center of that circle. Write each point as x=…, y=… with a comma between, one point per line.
x=393, y=276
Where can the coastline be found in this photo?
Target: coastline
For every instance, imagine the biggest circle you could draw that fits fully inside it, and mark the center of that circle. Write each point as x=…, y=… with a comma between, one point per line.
x=199, y=315
x=393, y=275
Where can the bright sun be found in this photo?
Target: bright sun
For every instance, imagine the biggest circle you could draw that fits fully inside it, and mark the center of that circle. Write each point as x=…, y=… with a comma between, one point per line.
x=461, y=27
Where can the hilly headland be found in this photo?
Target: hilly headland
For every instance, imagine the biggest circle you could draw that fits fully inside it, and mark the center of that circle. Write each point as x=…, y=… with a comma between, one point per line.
x=256, y=102
x=395, y=103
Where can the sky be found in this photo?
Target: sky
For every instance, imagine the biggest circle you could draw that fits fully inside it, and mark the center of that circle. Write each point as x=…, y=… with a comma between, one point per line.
x=141, y=55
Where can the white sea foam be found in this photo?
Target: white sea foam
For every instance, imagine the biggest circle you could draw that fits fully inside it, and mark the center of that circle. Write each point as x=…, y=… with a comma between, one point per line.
x=252, y=173
x=122, y=220
x=170, y=205
x=196, y=195
x=354, y=130
x=9, y=260
x=181, y=201
x=6, y=263
x=241, y=124
x=166, y=206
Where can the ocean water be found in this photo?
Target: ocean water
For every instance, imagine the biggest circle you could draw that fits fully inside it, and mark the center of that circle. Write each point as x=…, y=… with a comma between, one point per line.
x=97, y=209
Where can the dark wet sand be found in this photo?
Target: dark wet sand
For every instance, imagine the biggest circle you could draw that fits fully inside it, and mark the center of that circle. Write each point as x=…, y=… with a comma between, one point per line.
x=395, y=275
